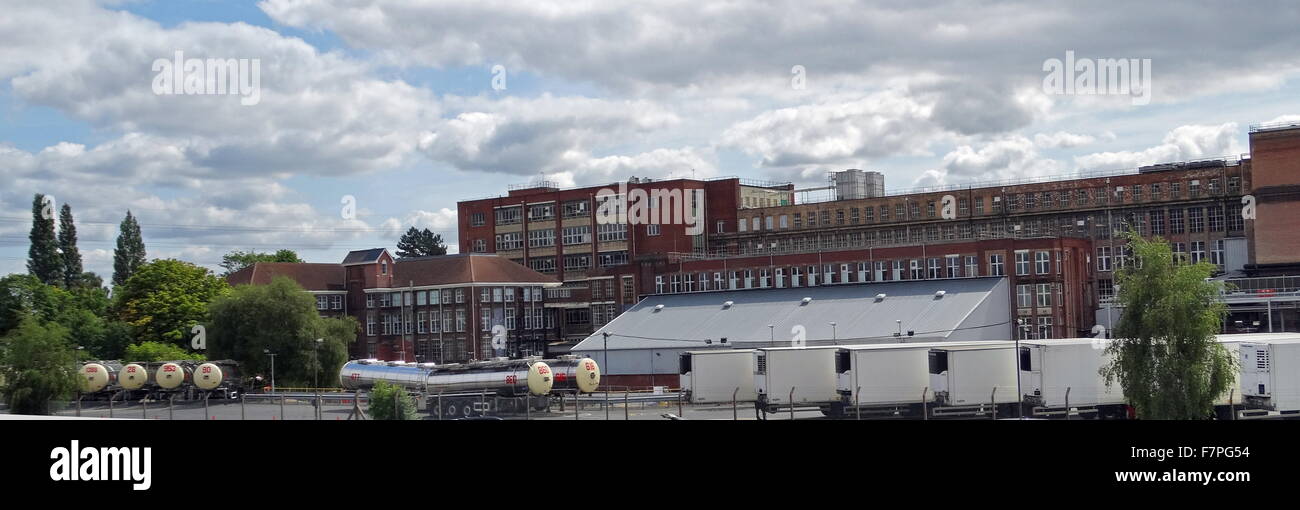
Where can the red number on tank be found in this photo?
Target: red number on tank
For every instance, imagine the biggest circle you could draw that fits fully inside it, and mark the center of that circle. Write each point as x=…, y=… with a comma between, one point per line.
x=169, y=368
x=207, y=369
x=591, y=365
x=130, y=370
x=543, y=370
x=92, y=370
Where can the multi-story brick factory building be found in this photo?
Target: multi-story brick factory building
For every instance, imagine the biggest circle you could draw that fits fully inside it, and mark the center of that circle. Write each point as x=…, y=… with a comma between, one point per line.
x=1055, y=239
x=439, y=309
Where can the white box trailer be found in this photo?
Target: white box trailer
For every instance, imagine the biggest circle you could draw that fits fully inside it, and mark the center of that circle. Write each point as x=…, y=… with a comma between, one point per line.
x=1050, y=368
x=974, y=374
x=809, y=371
x=1270, y=373
x=886, y=374
x=713, y=376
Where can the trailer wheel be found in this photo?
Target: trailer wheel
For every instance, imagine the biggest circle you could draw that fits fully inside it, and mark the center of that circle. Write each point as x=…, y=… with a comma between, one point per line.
x=451, y=410
x=468, y=410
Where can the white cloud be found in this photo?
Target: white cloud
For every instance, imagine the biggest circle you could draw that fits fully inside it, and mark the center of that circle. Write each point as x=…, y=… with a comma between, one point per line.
x=1181, y=144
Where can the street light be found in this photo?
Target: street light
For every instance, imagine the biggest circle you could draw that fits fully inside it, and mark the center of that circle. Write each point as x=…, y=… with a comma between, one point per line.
x=771, y=335
x=315, y=355
x=272, y=355
x=1020, y=395
x=834, y=338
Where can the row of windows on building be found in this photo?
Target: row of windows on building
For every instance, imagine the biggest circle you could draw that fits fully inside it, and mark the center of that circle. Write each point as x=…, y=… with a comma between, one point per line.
x=329, y=301
x=536, y=212
x=1026, y=263
x=1198, y=218
x=545, y=237
x=449, y=321
x=1153, y=222
x=1120, y=256
x=575, y=262
x=449, y=296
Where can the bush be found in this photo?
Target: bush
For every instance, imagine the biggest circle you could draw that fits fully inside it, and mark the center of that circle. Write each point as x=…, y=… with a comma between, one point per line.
x=386, y=400
x=158, y=351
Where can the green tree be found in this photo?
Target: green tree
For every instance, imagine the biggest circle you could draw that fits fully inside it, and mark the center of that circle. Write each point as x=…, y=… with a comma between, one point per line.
x=166, y=298
x=420, y=243
x=37, y=365
x=72, y=271
x=390, y=402
x=129, y=254
x=43, y=259
x=280, y=317
x=158, y=351
x=236, y=260
x=1165, y=355
x=23, y=296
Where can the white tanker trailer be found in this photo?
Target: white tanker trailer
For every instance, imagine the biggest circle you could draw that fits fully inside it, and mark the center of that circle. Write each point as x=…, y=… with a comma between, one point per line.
x=97, y=376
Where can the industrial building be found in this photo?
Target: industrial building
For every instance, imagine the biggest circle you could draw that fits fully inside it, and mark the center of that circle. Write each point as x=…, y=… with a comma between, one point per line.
x=1054, y=238
x=643, y=344
x=427, y=309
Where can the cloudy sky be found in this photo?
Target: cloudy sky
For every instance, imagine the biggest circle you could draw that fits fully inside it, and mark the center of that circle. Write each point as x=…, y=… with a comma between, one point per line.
x=401, y=106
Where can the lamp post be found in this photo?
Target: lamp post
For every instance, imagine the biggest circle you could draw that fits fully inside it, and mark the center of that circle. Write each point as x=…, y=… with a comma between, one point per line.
x=1020, y=395
x=834, y=338
x=771, y=338
x=315, y=355
x=272, y=355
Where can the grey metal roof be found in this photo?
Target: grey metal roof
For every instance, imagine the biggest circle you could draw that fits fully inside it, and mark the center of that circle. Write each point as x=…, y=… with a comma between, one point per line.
x=978, y=308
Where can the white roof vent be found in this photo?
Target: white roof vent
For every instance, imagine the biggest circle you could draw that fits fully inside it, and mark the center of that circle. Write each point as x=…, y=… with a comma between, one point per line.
x=806, y=300
x=940, y=294
x=880, y=297
x=727, y=304
x=659, y=307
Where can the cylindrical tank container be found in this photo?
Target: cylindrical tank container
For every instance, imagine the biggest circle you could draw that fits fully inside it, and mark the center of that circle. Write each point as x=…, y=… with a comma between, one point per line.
x=97, y=376
x=856, y=184
x=208, y=376
x=505, y=378
x=574, y=373
x=172, y=374
x=133, y=376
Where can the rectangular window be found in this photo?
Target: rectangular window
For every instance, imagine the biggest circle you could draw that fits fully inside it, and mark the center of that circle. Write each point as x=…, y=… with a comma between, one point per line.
x=915, y=267
x=336, y=302
x=1044, y=293
x=577, y=235
x=1216, y=253
x=322, y=302
x=575, y=208
x=541, y=238
x=510, y=318
x=1024, y=296
x=1198, y=251
x=1103, y=258
x=611, y=232
x=652, y=230
x=785, y=221
x=1105, y=289
x=510, y=241
x=542, y=264
x=477, y=220
x=370, y=300
x=934, y=268
x=370, y=323
x=1022, y=263
x=509, y=215
x=1196, y=219
x=419, y=323
x=541, y=212
x=997, y=265
x=954, y=266
x=1176, y=221
x=1157, y=217
x=421, y=298
x=1042, y=262
x=577, y=262
x=1044, y=327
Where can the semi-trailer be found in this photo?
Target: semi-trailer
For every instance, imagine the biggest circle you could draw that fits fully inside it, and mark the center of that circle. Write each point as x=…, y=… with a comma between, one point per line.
x=717, y=376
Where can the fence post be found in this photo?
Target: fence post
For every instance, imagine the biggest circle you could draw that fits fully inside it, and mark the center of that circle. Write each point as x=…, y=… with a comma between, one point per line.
x=171, y=406
x=282, y=416
x=482, y=403
x=440, y=406
x=577, y=406
x=206, y=416
x=110, y=405
x=243, y=415
x=993, y=399
x=144, y=408
x=1067, y=403
x=925, y=404
x=857, y=402
x=734, y=414
x=318, y=405
x=680, y=412
x=625, y=404
x=791, y=402
x=78, y=403
x=561, y=403
x=1232, y=408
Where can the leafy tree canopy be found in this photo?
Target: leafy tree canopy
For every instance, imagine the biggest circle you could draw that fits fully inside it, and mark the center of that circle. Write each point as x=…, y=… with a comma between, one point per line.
x=1165, y=356
x=420, y=243
x=236, y=260
x=158, y=351
x=37, y=364
x=164, y=299
x=390, y=402
x=280, y=317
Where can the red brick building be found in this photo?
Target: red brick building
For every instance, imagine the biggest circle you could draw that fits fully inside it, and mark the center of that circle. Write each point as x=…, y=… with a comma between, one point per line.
x=440, y=309
x=758, y=232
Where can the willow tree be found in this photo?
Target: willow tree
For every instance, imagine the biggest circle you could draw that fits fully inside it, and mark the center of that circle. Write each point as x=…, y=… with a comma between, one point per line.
x=1165, y=356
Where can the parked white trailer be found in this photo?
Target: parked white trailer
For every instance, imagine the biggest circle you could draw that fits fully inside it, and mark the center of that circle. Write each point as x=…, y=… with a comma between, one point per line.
x=808, y=371
x=1270, y=373
x=714, y=376
x=966, y=375
x=1052, y=371
x=884, y=374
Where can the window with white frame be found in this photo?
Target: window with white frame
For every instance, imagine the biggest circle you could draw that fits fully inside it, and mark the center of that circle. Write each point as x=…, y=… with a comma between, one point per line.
x=1042, y=262
x=659, y=284
x=510, y=318
x=322, y=302
x=419, y=323
x=1024, y=296
x=954, y=266
x=972, y=265
x=934, y=268
x=917, y=272
x=1103, y=258
x=652, y=229
x=370, y=323
x=997, y=265
x=541, y=238
x=577, y=235
x=1022, y=263
x=1044, y=293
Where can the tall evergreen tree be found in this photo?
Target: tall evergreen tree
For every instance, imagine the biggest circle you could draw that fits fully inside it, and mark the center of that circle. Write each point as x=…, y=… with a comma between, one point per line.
x=43, y=260
x=129, y=254
x=68, y=245
x=420, y=243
